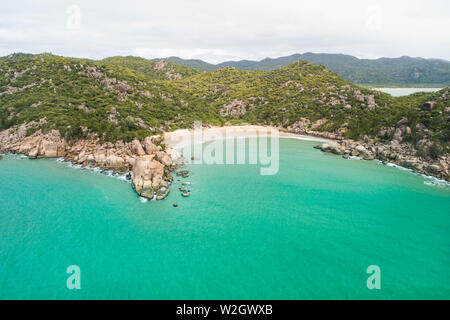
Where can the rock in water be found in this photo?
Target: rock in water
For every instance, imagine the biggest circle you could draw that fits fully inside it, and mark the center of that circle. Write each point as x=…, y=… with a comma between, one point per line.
x=147, y=177
x=183, y=173
x=162, y=193
x=163, y=190
x=175, y=205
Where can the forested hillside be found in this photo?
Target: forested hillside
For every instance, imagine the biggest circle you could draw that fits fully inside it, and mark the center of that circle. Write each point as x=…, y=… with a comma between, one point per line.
x=122, y=98
x=397, y=72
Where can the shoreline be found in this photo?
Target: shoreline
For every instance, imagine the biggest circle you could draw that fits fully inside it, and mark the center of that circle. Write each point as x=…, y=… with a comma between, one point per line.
x=238, y=132
x=124, y=158
x=176, y=138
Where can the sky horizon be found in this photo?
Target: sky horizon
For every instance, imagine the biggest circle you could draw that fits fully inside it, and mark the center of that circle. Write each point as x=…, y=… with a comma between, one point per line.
x=215, y=63
x=214, y=33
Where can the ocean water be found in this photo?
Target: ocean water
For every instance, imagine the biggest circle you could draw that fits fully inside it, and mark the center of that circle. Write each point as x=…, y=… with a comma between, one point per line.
x=309, y=232
x=398, y=92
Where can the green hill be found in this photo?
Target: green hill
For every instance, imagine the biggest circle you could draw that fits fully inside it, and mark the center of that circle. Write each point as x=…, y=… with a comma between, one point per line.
x=396, y=72
x=156, y=69
x=124, y=98
x=192, y=63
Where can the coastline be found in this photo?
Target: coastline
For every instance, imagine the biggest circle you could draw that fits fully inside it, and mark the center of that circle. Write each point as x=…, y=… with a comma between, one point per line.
x=149, y=167
x=177, y=139
x=394, y=152
x=400, y=88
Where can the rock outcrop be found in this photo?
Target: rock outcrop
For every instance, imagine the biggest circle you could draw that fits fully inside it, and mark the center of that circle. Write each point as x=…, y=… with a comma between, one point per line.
x=150, y=167
x=404, y=155
x=304, y=126
x=147, y=176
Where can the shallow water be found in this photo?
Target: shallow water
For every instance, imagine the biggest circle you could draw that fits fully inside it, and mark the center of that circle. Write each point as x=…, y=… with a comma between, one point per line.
x=308, y=232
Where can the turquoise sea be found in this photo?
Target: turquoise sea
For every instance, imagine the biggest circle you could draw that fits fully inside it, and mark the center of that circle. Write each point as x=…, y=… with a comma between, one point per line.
x=309, y=232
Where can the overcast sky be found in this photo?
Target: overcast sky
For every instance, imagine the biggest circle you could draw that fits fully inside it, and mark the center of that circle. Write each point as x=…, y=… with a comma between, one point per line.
x=216, y=31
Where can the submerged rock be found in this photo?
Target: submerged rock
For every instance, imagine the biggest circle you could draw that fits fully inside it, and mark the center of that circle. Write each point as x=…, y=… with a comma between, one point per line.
x=162, y=192
x=332, y=147
x=183, y=173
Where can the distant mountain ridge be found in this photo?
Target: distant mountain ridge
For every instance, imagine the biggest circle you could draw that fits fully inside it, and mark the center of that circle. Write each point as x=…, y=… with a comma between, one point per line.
x=402, y=72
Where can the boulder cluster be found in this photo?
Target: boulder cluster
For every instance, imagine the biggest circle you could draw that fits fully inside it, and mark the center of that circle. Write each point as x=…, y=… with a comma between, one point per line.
x=184, y=192
x=148, y=166
x=401, y=154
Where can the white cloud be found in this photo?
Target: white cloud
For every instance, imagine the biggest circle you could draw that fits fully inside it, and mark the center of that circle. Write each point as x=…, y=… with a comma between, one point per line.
x=215, y=30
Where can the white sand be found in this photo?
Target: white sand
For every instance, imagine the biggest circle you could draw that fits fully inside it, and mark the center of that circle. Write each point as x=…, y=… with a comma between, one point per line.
x=180, y=138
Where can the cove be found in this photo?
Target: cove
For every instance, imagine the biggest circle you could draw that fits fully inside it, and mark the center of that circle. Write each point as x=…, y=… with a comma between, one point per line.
x=308, y=232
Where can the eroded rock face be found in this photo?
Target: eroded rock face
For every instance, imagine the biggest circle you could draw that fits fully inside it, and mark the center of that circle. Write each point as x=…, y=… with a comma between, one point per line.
x=150, y=147
x=164, y=158
x=176, y=156
x=40, y=145
x=235, y=108
x=304, y=126
x=147, y=176
x=137, y=148
x=163, y=190
x=333, y=148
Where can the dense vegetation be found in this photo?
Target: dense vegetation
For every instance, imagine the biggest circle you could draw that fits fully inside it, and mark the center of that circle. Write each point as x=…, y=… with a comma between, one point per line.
x=123, y=98
x=192, y=63
x=397, y=72
x=162, y=70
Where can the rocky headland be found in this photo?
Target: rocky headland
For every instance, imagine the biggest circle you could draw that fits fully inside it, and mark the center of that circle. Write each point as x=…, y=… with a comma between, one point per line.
x=399, y=150
x=148, y=166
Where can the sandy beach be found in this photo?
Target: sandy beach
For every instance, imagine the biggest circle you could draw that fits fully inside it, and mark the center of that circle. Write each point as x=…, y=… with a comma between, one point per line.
x=180, y=138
